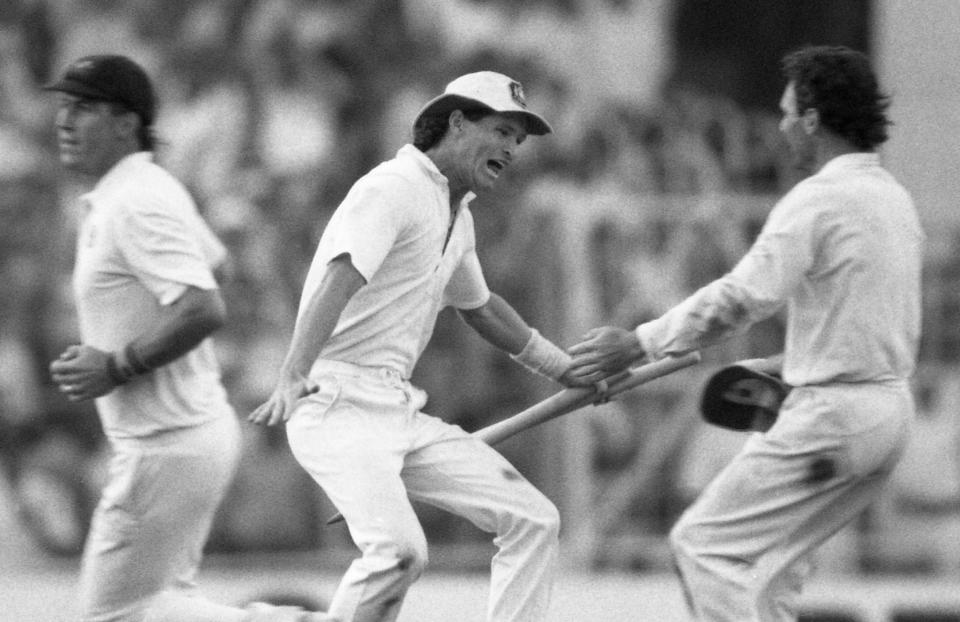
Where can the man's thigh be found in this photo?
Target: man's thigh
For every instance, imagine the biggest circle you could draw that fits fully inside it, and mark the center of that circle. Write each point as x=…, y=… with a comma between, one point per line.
x=457, y=472
x=153, y=519
x=795, y=485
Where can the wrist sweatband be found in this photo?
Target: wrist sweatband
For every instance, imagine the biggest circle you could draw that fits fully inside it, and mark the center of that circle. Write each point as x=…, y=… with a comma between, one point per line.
x=541, y=356
x=125, y=364
x=136, y=363
x=113, y=370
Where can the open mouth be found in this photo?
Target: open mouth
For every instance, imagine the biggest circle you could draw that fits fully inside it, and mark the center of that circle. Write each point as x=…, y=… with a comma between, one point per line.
x=495, y=167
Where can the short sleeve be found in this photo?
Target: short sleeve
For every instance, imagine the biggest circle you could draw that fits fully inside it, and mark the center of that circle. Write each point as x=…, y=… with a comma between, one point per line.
x=467, y=288
x=368, y=222
x=165, y=248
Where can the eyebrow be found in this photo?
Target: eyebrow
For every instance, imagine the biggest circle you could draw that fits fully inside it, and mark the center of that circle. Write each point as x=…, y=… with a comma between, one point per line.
x=508, y=123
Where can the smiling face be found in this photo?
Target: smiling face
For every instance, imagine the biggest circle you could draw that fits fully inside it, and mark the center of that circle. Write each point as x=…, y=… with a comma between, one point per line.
x=93, y=135
x=482, y=149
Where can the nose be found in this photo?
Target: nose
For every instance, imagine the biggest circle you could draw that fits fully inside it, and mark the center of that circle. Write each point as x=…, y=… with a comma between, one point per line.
x=64, y=117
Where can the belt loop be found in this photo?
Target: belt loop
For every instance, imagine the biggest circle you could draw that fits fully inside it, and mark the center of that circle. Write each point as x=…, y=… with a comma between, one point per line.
x=391, y=376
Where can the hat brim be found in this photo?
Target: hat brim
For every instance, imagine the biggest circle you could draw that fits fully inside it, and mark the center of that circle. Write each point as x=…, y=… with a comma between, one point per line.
x=78, y=88
x=447, y=103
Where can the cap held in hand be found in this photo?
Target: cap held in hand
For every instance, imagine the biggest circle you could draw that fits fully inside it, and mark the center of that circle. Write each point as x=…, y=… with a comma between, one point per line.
x=739, y=398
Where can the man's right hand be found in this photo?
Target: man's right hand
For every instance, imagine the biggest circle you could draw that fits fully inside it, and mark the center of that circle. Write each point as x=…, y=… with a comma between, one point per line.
x=280, y=405
x=603, y=352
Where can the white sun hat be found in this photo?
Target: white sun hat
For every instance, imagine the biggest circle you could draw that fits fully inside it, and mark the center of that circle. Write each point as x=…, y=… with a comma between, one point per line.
x=486, y=89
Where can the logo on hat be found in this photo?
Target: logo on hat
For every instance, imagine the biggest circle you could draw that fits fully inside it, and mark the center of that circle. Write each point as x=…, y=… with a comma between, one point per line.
x=516, y=94
x=485, y=90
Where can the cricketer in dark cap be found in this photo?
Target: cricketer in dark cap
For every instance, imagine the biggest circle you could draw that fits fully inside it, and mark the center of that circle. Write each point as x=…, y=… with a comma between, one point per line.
x=116, y=80
x=110, y=78
x=147, y=302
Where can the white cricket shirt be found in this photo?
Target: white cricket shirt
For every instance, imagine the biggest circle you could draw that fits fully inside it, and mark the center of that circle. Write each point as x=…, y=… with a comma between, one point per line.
x=141, y=244
x=843, y=252
x=394, y=224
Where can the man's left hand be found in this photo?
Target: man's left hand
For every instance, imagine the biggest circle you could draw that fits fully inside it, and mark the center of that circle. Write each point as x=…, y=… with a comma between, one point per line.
x=81, y=373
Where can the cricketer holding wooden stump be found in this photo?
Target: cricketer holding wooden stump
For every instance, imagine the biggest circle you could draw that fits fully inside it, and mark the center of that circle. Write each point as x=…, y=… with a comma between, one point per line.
x=398, y=249
x=842, y=253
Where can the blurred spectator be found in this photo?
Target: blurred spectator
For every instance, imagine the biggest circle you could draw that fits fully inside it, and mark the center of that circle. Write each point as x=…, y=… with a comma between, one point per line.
x=206, y=120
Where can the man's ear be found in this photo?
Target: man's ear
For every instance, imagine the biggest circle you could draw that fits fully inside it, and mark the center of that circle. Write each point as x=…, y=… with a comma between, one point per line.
x=811, y=120
x=455, y=120
x=128, y=123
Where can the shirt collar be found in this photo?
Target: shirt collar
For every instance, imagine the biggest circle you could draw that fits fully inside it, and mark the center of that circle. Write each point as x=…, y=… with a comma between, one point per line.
x=123, y=164
x=117, y=171
x=430, y=169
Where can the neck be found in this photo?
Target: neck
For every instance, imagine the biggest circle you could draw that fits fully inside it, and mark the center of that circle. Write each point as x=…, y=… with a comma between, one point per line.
x=444, y=162
x=456, y=198
x=832, y=147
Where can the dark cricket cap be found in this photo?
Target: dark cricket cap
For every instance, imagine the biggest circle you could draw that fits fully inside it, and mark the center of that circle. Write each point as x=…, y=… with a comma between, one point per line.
x=110, y=78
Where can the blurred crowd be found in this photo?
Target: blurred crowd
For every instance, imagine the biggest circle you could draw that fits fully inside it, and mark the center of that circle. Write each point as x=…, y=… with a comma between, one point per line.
x=270, y=109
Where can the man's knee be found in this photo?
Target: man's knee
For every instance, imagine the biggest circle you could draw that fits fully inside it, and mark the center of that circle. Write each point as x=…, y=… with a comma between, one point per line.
x=680, y=539
x=542, y=520
x=544, y=514
x=407, y=555
x=412, y=562
x=394, y=553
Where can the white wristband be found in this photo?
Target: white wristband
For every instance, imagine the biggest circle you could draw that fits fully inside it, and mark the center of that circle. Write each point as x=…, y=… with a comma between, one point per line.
x=541, y=356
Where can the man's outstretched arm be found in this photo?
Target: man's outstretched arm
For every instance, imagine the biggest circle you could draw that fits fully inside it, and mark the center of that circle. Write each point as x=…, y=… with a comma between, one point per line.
x=313, y=329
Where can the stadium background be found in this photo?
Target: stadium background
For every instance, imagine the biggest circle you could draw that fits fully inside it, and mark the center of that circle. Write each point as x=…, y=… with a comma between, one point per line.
x=663, y=165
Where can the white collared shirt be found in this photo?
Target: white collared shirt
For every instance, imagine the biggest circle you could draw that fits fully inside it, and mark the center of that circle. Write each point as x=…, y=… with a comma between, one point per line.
x=394, y=224
x=141, y=244
x=842, y=251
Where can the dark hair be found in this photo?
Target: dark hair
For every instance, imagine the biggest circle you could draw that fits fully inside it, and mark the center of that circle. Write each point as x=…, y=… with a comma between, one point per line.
x=429, y=129
x=145, y=134
x=840, y=84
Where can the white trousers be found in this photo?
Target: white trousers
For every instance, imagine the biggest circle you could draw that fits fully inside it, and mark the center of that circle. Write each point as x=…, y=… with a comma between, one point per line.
x=151, y=524
x=364, y=440
x=743, y=548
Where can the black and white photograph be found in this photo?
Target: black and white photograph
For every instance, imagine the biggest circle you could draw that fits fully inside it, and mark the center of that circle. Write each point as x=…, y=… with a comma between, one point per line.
x=479, y=311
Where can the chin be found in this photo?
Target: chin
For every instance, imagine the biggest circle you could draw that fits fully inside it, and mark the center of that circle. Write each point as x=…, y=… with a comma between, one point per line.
x=71, y=162
x=483, y=186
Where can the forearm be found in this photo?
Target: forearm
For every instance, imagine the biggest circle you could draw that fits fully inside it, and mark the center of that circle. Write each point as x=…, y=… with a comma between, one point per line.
x=85, y=372
x=499, y=324
x=320, y=317
x=311, y=332
x=183, y=326
x=713, y=314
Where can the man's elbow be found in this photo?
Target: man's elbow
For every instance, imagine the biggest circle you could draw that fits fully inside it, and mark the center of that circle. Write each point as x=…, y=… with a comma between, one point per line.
x=207, y=315
x=215, y=316
x=475, y=317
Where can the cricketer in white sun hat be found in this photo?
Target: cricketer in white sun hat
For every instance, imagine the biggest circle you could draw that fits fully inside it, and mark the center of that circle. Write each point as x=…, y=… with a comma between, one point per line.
x=486, y=89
